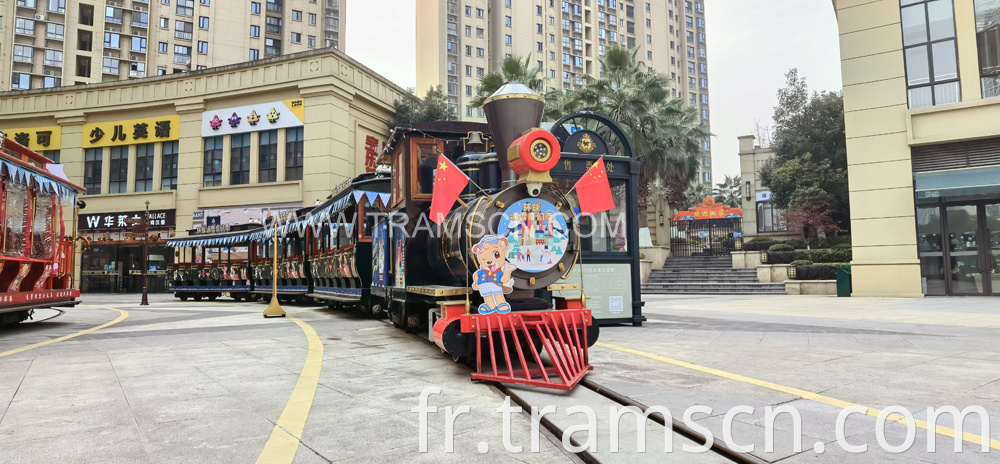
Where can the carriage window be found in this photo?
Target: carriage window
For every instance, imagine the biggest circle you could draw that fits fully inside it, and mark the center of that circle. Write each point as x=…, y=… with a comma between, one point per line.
x=607, y=231
x=17, y=212
x=423, y=160
x=41, y=228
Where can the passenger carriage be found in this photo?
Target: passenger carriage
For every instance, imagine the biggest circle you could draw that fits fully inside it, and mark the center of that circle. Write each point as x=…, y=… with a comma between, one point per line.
x=213, y=261
x=36, y=233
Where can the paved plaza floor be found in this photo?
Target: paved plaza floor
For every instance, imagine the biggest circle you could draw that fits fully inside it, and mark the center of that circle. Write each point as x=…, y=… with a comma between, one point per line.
x=215, y=382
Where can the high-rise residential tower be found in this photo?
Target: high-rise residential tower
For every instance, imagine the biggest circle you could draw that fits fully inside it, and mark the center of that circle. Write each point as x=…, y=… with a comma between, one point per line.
x=459, y=41
x=48, y=43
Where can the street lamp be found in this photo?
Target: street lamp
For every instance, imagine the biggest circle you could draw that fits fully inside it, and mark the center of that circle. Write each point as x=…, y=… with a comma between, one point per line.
x=144, y=229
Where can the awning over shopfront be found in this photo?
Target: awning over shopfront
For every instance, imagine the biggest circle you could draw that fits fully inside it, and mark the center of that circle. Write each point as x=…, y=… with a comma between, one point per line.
x=957, y=183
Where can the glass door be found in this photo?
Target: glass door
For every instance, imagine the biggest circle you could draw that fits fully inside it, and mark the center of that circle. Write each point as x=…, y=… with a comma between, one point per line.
x=966, y=277
x=991, y=229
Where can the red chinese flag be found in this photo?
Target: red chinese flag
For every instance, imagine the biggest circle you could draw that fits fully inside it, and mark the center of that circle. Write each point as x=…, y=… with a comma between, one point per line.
x=594, y=191
x=449, y=181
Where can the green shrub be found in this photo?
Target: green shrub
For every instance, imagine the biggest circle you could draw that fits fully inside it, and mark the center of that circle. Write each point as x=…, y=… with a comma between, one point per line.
x=842, y=246
x=758, y=245
x=785, y=257
x=781, y=247
x=832, y=255
x=801, y=262
x=796, y=243
x=683, y=241
x=824, y=271
x=760, y=239
x=642, y=255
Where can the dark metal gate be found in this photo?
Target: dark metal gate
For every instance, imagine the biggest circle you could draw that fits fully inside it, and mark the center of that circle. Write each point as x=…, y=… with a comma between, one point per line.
x=706, y=237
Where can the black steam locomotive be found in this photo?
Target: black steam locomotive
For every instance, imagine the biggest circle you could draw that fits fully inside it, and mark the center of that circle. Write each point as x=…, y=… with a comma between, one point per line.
x=485, y=282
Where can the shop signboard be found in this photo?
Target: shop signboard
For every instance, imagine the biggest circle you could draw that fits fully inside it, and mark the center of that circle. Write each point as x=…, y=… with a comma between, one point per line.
x=608, y=288
x=100, y=222
x=132, y=131
x=252, y=118
x=38, y=139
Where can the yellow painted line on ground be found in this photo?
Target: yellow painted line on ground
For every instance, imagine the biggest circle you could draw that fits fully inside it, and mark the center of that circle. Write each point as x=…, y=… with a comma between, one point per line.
x=939, y=429
x=287, y=433
x=121, y=317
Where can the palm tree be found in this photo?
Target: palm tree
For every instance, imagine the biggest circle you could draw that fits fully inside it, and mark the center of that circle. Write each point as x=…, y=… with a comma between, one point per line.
x=513, y=68
x=666, y=133
x=695, y=194
x=728, y=192
x=559, y=103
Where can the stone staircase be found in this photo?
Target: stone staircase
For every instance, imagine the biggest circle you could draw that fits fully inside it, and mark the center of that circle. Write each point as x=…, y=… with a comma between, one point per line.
x=707, y=275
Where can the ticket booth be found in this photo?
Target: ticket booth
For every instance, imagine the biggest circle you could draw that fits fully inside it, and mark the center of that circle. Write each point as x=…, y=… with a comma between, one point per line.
x=610, y=240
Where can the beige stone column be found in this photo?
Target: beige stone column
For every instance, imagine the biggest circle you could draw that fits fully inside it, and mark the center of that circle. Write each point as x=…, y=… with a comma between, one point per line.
x=190, y=157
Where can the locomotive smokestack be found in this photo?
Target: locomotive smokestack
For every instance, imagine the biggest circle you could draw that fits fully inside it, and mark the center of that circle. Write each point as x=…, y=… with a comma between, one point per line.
x=510, y=111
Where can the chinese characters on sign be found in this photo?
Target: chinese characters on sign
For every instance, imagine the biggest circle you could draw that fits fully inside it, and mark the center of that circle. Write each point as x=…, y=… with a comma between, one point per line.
x=105, y=134
x=124, y=220
x=37, y=138
x=371, y=153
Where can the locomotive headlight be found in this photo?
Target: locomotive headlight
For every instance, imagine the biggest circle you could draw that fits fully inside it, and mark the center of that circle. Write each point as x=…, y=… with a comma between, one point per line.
x=541, y=151
x=533, y=155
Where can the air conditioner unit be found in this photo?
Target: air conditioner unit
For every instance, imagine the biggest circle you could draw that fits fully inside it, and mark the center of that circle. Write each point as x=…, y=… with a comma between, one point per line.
x=39, y=17
x=112, y=3
x=109, y=54
x=139, y=8
x=136, y=32
x=133, y=57
x=109, y=29
x=51, y=73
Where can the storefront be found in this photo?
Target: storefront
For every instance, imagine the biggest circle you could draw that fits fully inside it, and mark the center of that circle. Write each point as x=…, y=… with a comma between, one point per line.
x=113, y=262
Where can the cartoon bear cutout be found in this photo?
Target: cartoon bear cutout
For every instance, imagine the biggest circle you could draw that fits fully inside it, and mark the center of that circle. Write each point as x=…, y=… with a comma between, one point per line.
x=493, y=279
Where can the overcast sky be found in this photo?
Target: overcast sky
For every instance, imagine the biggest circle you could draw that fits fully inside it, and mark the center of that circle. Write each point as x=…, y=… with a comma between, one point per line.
x=751, y=45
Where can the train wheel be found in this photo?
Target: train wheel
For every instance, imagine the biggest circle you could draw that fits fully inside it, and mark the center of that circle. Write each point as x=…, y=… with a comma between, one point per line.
x=197, y=298
x=212, y=297
x=183, y=297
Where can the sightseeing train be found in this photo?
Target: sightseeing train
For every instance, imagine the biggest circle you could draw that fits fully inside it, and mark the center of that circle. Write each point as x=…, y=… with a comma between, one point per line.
x=36, y=233
x=483, y=279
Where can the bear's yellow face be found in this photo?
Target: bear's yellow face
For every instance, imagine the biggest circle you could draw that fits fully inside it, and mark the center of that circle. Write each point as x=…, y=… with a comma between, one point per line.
x=491, y=257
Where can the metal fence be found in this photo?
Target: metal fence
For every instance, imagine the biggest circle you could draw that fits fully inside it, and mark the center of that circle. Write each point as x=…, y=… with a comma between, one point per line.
x=706, y=237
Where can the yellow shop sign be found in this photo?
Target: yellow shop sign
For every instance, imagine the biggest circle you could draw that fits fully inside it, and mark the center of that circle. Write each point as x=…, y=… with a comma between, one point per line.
x=37, y=138
x=131, y=132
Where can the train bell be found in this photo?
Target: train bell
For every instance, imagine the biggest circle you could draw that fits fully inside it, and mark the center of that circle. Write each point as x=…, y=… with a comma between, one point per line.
x=474, y=142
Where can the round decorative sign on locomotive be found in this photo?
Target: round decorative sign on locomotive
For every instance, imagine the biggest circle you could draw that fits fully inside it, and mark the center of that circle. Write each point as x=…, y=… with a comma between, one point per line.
x=536, y=233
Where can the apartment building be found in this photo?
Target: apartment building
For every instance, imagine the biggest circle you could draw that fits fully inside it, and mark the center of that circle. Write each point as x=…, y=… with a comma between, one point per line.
x=49, y=43
x=459, y=41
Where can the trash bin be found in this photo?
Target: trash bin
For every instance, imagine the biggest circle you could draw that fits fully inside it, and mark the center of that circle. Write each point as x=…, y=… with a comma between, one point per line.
x=843, y=281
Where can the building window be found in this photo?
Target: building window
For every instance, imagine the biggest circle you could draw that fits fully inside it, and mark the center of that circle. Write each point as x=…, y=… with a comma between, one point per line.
x=254, y=54
x=272, y=47
x=119, y=169
x=254, y=7
x=24, y=53
x=479, y=32
x=296, y=15
x=294, y=147
x=55, y=31
x=312, y=41
x=168, y=171
x=273, y=25
x=49, y=82
x=206, y=2
x=254, y=31
x=296, y=37
x=144, y=167
x=203, y=22
x=112, y=40
x=92, y=166
x=707, y=177
x=203, y=47
x=468, y=50
x=164, y=23
x=268, y=156
x=213, y=162
x=239, y=161
x=468, y=10
x=53, y=58
x=480, y=72
x=183, y=30
x=479, y=12
x=113, y=15
x=703, y=82
x=481, y=52
x=24, y=26
x=930, y=53
x=182, y=54
x=507, y=39
x=57, y=6
x=769, y=218
x=161, y=71
x=468, y=90
x=111, y=66
x=506, y=20
x=185, y=7
x=988, y=41
x=162, y=47
x=139, y=44
x=468, y=70
x=140, y=19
